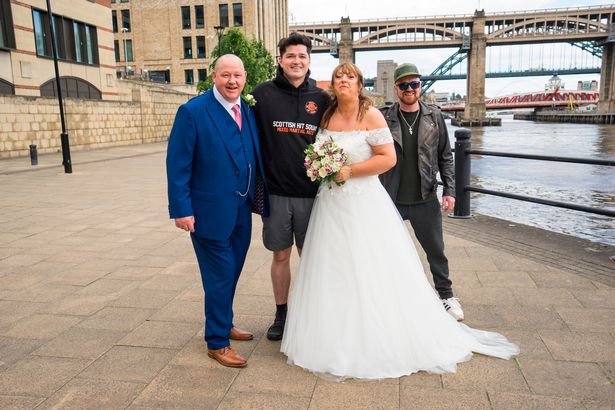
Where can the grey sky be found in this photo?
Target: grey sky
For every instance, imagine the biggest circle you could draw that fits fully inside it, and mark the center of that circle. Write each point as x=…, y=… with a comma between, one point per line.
x=329, y=10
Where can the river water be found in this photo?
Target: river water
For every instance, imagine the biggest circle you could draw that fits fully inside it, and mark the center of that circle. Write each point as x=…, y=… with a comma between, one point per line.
x=589, y=185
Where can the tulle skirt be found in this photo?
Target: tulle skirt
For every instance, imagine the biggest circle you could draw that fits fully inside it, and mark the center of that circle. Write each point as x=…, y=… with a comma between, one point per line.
x=361, y=306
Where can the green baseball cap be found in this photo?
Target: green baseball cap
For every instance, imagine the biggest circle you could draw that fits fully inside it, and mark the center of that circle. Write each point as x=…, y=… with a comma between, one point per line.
x=406, y=70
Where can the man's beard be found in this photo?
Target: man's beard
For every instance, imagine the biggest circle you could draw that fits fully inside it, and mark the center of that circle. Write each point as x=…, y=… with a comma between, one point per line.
x=407, y=96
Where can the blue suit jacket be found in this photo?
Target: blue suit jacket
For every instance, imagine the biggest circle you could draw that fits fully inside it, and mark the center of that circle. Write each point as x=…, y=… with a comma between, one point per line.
x=204, y=173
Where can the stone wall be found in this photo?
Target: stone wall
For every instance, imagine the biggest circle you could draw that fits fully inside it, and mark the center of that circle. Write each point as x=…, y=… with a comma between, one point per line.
x=144, y=113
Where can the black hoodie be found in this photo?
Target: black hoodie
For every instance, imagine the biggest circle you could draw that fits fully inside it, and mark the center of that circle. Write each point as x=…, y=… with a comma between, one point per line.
x=288, y=120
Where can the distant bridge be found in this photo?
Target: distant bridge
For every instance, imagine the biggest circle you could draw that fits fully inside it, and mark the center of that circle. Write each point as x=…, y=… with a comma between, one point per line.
x=428, y=79
x=505, y=74
x=503, y=28
x=590, y=27
x=535, y=100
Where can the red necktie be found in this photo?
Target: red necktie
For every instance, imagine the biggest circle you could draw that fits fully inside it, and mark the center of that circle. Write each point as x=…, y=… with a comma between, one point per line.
x=237, y=112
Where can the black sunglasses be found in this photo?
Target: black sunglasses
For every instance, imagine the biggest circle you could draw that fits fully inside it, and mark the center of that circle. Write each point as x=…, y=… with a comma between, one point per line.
x=412, y=84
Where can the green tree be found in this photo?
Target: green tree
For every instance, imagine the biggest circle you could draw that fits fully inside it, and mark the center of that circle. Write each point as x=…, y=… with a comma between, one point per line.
x=258, y=62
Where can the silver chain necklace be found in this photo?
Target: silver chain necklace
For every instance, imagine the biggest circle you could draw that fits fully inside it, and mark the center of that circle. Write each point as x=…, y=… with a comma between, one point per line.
x=401, y=114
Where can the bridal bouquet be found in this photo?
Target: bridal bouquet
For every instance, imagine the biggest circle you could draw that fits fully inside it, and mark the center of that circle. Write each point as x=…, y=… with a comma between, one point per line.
x=324, y=159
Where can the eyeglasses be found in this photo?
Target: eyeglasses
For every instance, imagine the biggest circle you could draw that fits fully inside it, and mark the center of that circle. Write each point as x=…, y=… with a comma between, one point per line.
x=412, y=84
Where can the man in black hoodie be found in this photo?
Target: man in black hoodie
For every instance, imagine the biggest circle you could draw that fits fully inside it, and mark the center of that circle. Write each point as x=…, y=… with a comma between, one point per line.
x=288, y=112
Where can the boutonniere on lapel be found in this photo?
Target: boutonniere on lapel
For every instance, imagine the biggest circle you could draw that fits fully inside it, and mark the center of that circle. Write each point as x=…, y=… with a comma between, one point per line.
x=249, y=99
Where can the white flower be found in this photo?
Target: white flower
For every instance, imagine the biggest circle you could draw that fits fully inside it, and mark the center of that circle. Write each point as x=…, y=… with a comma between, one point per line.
x=249, y=99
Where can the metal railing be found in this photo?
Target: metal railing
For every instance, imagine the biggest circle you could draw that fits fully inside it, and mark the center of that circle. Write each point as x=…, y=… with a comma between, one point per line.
x=463, y=151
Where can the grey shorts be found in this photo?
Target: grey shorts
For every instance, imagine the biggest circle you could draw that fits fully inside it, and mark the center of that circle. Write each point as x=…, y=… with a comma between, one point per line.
x=288, y=219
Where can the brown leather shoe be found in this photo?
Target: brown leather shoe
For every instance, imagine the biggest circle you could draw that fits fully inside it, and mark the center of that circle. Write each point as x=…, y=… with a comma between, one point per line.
x=227, y=356
x=240, y=334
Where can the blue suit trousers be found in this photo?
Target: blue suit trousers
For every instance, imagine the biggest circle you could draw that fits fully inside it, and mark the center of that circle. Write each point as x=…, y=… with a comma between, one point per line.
x=220, y=263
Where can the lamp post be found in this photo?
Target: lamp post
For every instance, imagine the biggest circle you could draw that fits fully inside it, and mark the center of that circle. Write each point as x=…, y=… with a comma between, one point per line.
x=124, y=30
x=66, y=161
x=219, y=32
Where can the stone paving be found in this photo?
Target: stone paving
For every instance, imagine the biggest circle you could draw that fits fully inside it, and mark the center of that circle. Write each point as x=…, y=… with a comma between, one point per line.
x=101, y=307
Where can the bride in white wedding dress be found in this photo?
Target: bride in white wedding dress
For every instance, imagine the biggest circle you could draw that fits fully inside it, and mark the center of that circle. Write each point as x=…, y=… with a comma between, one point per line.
x=361, y=305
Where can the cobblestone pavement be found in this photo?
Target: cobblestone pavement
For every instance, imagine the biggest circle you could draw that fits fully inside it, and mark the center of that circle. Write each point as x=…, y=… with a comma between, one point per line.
x=101, y=307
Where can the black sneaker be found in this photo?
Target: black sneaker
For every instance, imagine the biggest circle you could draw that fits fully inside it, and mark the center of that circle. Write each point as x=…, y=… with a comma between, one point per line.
x=276, y=330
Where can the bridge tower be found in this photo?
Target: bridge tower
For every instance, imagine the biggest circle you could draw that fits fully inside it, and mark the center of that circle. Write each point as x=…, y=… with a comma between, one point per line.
x=344, y=47
x=607, y=74
x=475, y=108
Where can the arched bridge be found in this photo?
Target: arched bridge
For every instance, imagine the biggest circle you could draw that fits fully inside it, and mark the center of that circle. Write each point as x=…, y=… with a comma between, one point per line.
x=534, y=100
x=472, y=34
x=505, y=28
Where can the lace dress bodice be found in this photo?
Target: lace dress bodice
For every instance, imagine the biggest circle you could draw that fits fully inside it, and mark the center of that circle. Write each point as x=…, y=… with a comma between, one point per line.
x=358, y=147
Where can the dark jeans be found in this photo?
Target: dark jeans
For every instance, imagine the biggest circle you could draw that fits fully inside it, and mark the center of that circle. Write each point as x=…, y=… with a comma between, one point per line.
x=426, y=221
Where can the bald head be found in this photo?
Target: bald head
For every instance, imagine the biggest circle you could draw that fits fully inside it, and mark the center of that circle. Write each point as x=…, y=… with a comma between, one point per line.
x=227, y=59
x=229, y=76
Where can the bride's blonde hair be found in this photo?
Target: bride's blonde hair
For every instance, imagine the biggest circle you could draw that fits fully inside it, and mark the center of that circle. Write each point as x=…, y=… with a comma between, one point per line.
x=364, y=101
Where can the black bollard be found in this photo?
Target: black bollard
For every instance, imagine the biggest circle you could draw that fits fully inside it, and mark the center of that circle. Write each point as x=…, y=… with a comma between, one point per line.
x=33, y=154
x=462, y=173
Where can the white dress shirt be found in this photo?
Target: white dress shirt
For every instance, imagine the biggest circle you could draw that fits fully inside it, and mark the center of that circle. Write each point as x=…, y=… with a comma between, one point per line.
x=228, y=106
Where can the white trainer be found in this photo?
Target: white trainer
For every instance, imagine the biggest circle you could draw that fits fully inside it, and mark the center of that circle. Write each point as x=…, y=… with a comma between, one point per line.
x=453, y=307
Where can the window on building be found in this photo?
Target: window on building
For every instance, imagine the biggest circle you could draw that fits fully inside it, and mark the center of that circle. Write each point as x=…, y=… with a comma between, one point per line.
x=67, y=38
x=202, y=74
x=200, y=46
x=42, y=35
x=77, y=41
x=160, y=76
x=84, y=49
x=59, y=31
x=123, y=1
x=185, y=17
x=237, y=14
x=199, y=16
x=114, y=20
x=126, y=19
x=91, y=45
x=7, y=35
x=128, y=45
x=116, y=48
x=78, y=35
x=71, y=87
x=187, y=47
x=189, y=76
x=223, y=8
x=88, y=44
x=6, y=88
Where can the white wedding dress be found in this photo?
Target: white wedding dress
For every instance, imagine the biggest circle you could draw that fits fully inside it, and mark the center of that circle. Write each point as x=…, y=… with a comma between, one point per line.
x=361, y=306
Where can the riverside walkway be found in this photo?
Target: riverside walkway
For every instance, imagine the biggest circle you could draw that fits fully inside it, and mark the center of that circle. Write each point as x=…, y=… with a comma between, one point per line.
x=101, y=307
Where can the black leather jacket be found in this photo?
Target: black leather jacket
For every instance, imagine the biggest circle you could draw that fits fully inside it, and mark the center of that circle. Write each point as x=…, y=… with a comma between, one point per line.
x=434, y=152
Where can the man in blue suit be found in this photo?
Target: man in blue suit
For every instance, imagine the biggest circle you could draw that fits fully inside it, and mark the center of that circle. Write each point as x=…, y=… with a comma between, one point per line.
x=213, y=159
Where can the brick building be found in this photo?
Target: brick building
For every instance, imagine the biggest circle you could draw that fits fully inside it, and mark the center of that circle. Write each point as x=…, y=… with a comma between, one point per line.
x=85, y=42
x=167, y=41
x=171, y=40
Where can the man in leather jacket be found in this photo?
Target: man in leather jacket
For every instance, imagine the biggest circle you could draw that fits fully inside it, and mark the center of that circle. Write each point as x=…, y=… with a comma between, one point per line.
x=423, y=150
